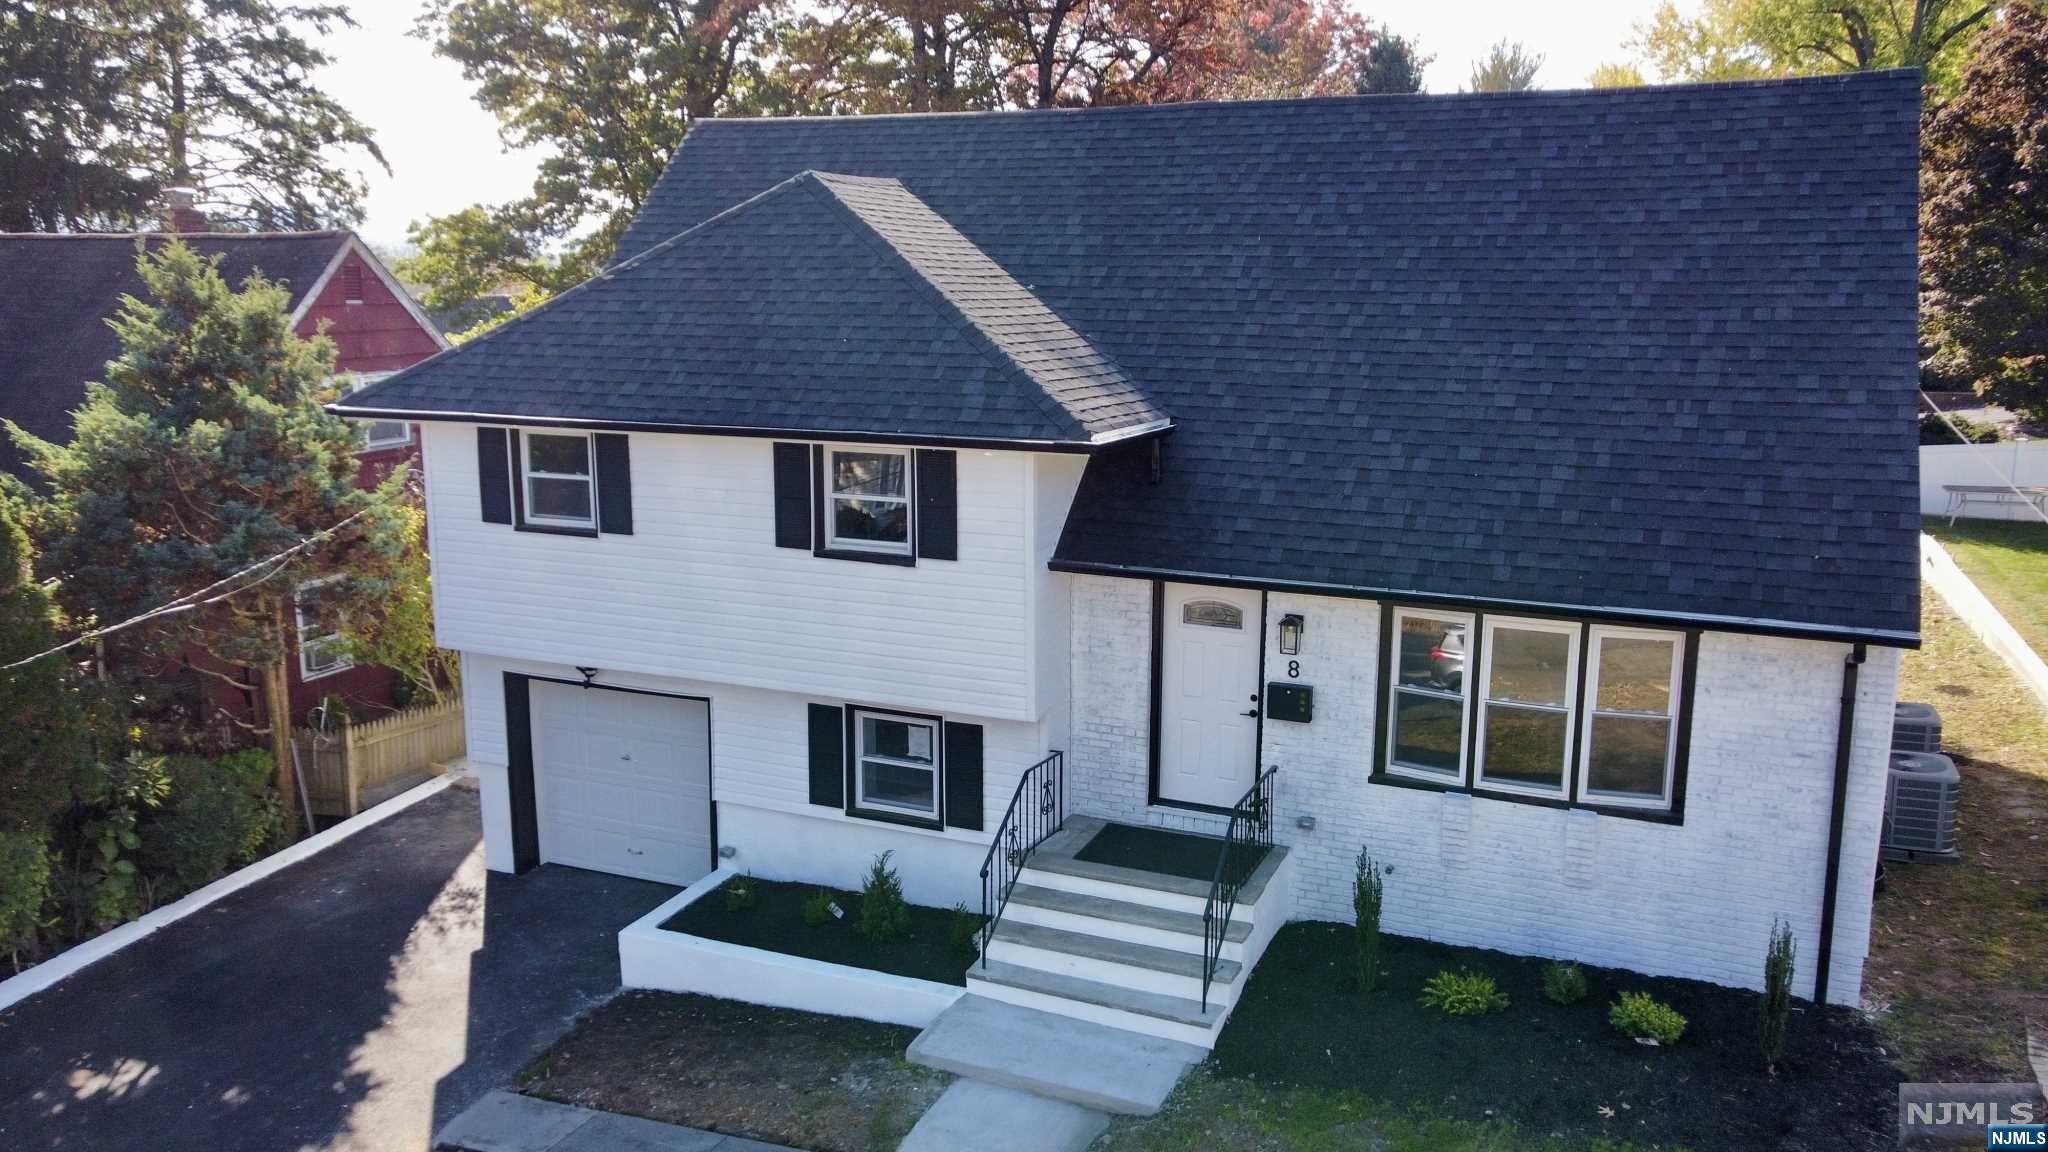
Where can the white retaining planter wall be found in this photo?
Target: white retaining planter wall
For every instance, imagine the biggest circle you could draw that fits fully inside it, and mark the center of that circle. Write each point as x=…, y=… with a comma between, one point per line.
x=2012, y=462
x=653, y=957
x=1966, y=600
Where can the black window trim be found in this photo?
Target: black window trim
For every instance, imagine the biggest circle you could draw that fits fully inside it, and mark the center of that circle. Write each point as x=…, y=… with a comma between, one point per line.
x=1572, y=800
x=937, y=822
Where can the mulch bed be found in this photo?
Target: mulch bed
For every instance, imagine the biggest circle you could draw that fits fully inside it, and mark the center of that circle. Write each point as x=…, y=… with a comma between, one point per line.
x=809, y=1081
x=1158, y=850
x=1550, y=1069
x=939, y=946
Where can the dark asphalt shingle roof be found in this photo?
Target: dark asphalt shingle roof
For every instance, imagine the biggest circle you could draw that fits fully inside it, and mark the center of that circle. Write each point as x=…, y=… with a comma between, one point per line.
x=829, y=303
x=1649, y=350
x=58, y=291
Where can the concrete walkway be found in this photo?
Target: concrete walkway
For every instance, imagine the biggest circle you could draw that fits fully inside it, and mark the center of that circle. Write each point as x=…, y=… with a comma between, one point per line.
x=509, y=1122
x=354, y=1000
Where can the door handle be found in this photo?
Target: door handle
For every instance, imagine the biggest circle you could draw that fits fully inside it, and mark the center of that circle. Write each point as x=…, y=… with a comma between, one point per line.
x=1249, y=712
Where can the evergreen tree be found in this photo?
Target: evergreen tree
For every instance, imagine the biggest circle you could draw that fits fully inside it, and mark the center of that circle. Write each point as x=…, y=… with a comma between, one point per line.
x=1391, y=64
x=44, y=735
x=64, y=163
x=207, y=451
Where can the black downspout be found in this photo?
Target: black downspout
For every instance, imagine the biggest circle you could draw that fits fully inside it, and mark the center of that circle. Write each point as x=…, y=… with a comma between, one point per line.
x=1845, y=739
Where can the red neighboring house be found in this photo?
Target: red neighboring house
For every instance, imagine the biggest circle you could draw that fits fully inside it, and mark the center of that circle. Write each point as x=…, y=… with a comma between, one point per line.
x=56, y=293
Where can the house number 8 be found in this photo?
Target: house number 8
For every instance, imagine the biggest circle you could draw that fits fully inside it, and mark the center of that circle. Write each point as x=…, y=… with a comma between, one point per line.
x=1294, y=669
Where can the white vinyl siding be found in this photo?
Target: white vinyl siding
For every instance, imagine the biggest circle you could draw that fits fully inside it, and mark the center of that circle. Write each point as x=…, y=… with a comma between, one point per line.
x=700, y=591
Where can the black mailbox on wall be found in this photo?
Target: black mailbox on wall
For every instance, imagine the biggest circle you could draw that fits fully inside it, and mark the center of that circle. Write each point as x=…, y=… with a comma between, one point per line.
x=1296, y=702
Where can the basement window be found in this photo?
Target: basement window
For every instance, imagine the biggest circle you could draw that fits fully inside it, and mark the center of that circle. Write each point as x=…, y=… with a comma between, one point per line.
x=896, y=765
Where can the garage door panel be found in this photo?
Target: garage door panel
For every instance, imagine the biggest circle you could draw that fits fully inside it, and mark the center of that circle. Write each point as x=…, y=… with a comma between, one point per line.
x=623, y=781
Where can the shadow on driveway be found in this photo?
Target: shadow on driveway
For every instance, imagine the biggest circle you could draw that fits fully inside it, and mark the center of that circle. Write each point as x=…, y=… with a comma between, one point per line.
x=356, y=1000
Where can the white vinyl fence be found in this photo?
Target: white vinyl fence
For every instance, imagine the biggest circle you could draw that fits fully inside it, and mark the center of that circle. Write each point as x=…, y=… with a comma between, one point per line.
x=2017, y=462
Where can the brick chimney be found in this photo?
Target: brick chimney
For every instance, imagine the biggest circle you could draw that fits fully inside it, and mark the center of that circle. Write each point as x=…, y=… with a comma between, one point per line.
x=179, y=213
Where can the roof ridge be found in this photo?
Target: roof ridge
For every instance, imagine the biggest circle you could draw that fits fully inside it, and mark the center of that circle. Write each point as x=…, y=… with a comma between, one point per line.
x=935, y=296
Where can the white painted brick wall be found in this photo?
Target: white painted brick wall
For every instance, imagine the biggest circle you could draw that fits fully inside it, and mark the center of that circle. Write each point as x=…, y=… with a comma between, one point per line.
x=1693, y=900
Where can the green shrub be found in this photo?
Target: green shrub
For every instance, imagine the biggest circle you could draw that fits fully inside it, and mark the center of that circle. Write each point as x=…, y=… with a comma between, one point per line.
x=739, y=894
x=1463, y=994
x=1780, y=960
x=818, y=908
x=883, y=914
x=963, y=935
x=1935, y=430
x=220, y=813
x=1368, y=891
x=24, y=886
x=1637, y=1015
x=1564, y=983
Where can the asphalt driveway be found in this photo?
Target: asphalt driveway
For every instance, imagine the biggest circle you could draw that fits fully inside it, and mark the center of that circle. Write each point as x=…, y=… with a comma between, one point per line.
x=356, y=1000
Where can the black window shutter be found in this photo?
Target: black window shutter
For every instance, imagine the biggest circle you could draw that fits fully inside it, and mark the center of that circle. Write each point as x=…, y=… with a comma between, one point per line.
x=792, y=496
x=938, y=504
x=963, y=775
x=614, y=484
x=828, y=756
x=494, y=475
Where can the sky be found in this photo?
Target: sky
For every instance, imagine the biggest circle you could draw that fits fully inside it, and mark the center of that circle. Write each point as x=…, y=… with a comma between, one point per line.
x=445, y=155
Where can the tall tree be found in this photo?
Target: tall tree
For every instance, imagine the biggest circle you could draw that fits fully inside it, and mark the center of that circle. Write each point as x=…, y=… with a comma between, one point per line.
x=105, y=103
x=1508, y=66
x=1391, y=65
x=64, y=161
x=1984, y=219
x=1746, y=39
x=205, y=452
x=43, y=734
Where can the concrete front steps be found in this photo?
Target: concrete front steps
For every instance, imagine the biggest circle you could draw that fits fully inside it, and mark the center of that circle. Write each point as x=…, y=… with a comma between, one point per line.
x=1122, y=947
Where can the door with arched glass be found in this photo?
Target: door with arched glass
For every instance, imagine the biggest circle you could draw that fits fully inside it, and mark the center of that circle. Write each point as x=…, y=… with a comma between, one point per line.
x=1208, y=694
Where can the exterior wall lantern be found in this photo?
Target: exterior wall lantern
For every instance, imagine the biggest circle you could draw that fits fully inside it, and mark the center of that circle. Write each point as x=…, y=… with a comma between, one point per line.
x=1290, y=634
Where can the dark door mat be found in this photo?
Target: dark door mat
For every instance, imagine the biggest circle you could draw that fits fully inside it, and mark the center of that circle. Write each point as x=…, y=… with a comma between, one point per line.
x=1181, y=854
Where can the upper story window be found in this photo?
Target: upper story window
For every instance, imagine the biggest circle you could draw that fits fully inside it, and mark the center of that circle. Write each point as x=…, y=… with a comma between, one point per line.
x=321, y=649
x=867, y=500
x=379, y=434
x=1502, y=705
x=560, y=489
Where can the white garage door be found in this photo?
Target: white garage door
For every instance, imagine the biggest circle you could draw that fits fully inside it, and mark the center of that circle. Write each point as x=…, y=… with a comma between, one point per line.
x=622, y=781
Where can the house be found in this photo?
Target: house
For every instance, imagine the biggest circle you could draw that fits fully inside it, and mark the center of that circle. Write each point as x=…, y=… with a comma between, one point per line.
x=60, y=290
x=1520, y=486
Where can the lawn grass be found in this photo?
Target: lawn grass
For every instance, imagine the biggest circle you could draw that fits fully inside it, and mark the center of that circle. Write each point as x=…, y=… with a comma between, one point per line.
x=1957, y=950
x=2008, y=561
x=828, y=1083
x=939, y=945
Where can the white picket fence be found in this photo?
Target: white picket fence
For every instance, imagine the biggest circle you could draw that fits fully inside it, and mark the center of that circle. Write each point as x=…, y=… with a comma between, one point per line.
x=2018, y=462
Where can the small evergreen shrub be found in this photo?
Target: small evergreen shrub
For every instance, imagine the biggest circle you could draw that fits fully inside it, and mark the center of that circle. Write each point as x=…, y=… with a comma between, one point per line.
x=1564, y=983
x=739, y=894
x=1780, y=961
x=1463, y=994
x=218, y=814
x=817, y=910
x=964, y=934
x=1368, y=891
x=883, y=914
x=1637, y=1015
x=1935, y=430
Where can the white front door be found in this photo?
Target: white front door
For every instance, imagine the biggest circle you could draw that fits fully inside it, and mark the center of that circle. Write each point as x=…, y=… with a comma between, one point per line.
x=622, y=781
x=1208, y=694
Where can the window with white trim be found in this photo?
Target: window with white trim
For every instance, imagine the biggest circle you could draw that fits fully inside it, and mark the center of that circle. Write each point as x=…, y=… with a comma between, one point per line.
x=1529, y=678
x=322, y=651
x=560, y=484
x=896, y=764
x=867, y=500
x=1634, y=681
x=380, y=434
x=1554, y=711
x=1426, y=716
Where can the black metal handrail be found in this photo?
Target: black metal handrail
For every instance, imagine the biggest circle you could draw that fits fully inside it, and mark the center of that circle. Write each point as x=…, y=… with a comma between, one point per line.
x=1037, y=810
x=1251, y=826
